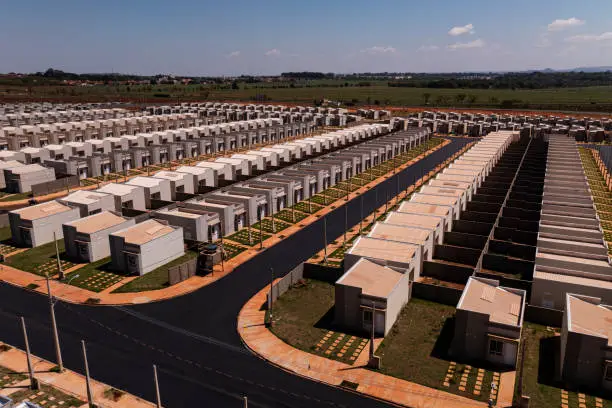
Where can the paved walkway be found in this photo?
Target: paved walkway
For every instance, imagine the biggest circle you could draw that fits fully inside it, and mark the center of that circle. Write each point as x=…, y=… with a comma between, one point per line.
x=257, y=337
x=73, y=294
x=68, y=382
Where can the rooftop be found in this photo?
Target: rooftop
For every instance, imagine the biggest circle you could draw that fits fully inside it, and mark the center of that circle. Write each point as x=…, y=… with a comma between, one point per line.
x=169, y=175
x=590, y=318
x=399, y=233
x=84, y=197
x=27, y=168
x=432, y=198
x=417, y=220
x=502, y=305
x=143, y=181
x=383, y=249
x=118, y=189
x=144, y=232
x=374, y=280
x=420, y=208
x=97, y=222
x=192, y=170
x=42, y=210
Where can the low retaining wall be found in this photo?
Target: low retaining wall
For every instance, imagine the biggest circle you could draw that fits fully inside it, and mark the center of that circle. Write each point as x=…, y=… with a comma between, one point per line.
x=436, y=293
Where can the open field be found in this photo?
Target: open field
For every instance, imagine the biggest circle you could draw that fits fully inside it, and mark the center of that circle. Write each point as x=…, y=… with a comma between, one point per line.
x=596, y=98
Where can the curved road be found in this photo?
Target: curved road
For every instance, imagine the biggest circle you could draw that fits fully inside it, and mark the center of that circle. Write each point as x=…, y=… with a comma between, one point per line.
x=193, y=338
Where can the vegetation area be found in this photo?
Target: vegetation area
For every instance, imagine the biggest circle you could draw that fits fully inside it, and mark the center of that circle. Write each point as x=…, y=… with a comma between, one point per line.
x=568, y=91
x=540, y=363
x=157, y=278
x=41, y=260
x=95, y=276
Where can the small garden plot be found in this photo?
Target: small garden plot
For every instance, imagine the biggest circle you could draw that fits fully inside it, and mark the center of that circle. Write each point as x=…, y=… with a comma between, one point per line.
x=47, y=396
x=340, y=346
x=287, y=215
x=89, y=182
x=232, y=250
x=9, y=378
x=95, y=276
x=303, y=206
x=334, y=193
x=319, y=199
x=352, y=186
x=40, y=260
x=6, y=248
x=267, y=226
x=242, y=237
x=50, y=267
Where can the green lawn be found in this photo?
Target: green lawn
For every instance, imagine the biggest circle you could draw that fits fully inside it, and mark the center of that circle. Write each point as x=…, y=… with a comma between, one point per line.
x=304, y=207
x=242, y=237
x=232, y=250
x=40, y=259
x=95, y=276
x=287, y=216
x=157, y=278
x=51, y=395
x=541, y=360
x=266, y=225
x=16, y=197
x=416, y=348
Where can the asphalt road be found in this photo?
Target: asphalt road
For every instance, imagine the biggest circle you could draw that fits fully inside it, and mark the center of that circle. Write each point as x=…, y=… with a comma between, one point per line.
x=193, y=338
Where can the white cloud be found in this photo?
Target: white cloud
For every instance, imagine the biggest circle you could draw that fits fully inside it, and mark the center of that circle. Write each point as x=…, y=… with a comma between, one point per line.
x=590, y=38
x=427, y=48
x=466, y=29
x=377, y=49
x=543, y=41
x=272, y=53
x=472, y=44
x=559, y=25
x=233, y=54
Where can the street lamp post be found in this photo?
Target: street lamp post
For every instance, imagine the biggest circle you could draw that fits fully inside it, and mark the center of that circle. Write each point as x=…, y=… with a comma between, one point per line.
x=33, y=381
x=58, y=350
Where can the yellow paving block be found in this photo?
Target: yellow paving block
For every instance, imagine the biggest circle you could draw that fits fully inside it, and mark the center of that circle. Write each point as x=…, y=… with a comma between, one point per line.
x=461, y=388
x=446, y=384
x=453, y=363
x=478, y=387
x=582, y=405
x=476, y=392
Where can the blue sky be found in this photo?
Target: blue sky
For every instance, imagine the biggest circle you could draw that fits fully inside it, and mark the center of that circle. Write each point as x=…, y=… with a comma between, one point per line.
x=203, y=37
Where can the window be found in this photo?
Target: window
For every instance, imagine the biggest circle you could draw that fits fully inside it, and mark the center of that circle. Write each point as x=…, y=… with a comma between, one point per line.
x=608, y=372
x=496, y=348
x=367, y=316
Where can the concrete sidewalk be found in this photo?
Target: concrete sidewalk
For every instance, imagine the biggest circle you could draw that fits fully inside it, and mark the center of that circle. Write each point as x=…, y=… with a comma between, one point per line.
x=67, y=382
x=257, y=337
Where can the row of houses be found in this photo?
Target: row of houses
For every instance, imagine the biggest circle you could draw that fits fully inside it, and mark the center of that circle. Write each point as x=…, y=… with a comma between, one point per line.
x=281, y=188
x=37, y=114
x=571, y=270
x=474, y=124
x=381, y=267
x=95, y=224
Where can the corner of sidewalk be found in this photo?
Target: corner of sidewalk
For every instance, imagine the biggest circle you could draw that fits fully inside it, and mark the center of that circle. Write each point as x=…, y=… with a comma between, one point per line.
x=68, y=382
x=263, y=343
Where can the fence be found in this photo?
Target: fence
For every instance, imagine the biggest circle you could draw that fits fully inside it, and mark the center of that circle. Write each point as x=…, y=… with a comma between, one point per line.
x=435, y=293
x=183, y=271
x=54, y=186
x=304, y=271
x=543, y=316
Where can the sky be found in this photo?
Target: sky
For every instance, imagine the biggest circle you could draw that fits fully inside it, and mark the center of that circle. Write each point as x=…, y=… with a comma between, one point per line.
x=267, y=37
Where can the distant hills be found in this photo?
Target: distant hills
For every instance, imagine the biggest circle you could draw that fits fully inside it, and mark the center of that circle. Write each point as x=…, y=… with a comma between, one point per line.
x=579, y=69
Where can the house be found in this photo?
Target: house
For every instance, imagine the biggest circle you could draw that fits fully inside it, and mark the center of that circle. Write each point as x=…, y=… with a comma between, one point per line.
x=232, y=216
x=586, y=343
x=36, y=225
x=411, y=235
x=386, y=252
x=416, y=207
x=9, y=164
x=179, y=182
x=143, y=247
x=154, y=188
x=89, y=202
x=197, y=223
x=86, y=239
x=430, y=222
x=126, y=196
x=202, y=176
x=488, y=323
x=369, y=293
x=21, y=179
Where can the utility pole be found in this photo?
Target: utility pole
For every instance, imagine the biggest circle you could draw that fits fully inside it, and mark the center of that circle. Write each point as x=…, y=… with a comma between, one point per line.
x=261, y=234
x=87, y=377
x=246, y=402
x=372, y=331
x=361, y=214
x=271, y=296
x=325, y=239
x=59, y=262
x=157, y=395
x=345, y=223
x=58, y=350
x=33, y=381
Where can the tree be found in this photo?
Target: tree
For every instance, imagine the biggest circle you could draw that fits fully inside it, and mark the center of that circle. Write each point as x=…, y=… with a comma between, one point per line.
x=442, y=100
x=426, y=97
x=235, y=85
x=459, y=98
x=471, y=99
x=493, y=100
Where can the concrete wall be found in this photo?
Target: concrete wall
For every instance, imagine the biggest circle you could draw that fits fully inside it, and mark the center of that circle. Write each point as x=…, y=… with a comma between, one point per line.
x=584, y=359
x=194, y=229
x=397, y=300
x=544, y=291
x=98, y=246
x=470, y=339
x=42, y=228
x=347, y=308
x=161, y=251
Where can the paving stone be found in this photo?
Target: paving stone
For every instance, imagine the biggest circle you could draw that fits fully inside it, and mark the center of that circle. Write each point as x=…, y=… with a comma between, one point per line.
x=446, y=384
x=582, y=405
x=461, y=388
x=476, y=392
x=478, y=387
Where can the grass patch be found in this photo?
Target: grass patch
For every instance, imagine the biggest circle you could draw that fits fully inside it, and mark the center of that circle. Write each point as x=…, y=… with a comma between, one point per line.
x=95, y=276
x=232, y=250
x=41, y=260
x=32, y=286
x=16, y=197
x=416, y=348
x=242, y=237
x=48, y=394
x=287, y=216
x=9, y=377
x=266, y=225
x=305, y=208
x=157, y=278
